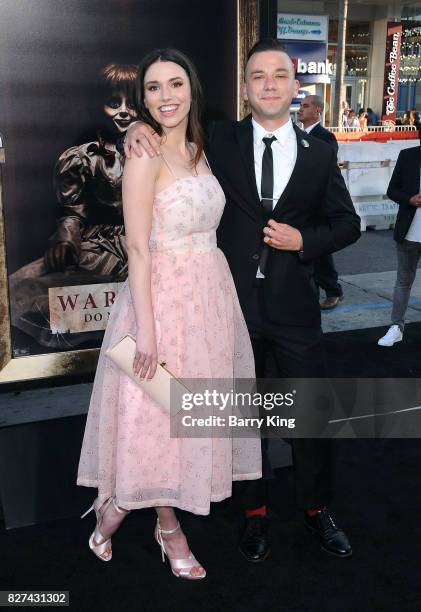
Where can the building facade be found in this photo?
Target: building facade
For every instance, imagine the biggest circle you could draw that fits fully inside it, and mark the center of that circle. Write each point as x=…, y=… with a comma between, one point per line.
x=365, y=50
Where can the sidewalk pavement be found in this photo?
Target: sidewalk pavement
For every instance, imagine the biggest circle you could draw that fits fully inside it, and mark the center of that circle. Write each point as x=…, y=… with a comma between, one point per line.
x=367, y=303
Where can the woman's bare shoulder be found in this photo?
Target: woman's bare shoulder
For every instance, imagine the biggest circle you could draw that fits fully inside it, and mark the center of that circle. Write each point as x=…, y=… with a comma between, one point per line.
x=145, y=164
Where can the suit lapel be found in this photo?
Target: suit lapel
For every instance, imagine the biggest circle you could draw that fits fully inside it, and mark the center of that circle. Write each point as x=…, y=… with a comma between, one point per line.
x=244, y=133
x=297, y=173
x=315, y=130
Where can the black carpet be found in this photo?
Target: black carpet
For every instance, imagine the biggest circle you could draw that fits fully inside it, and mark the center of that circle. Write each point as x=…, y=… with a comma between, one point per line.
x=377, y=501
x=356, y=354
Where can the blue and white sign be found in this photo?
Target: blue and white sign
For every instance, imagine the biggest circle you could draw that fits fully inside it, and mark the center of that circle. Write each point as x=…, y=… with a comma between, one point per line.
x=302, y=27
x=295, y=102
x=310, y=62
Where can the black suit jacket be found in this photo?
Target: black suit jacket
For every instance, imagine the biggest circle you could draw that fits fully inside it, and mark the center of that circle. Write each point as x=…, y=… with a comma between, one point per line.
x=320, y=132
x=315, y=201
x=405, y=183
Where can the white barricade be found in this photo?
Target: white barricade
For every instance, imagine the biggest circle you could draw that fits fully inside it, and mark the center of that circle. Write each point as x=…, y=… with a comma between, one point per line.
x=367, y=168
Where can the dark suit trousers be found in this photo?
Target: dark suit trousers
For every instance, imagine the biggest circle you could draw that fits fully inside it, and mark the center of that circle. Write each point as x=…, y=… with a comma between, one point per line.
x=326, y=276
x=297, y=353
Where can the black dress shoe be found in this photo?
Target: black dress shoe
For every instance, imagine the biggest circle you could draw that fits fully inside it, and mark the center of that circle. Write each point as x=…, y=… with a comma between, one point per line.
x=254, y=541
x=332, y=539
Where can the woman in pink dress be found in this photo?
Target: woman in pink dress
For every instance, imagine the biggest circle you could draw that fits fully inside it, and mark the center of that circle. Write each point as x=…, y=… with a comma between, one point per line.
x=181, y=305
x=362, y=119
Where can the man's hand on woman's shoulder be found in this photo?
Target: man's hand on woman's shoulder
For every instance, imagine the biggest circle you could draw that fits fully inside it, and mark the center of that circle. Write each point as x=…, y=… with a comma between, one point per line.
x=141, y=138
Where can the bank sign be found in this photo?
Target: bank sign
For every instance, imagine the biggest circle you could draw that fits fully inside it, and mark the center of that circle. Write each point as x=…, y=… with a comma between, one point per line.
x=302, y=27
x=391, y=71
x=310, y=61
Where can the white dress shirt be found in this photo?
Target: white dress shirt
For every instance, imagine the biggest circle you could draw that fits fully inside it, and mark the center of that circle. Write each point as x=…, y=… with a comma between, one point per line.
x=310, y=127
x=414, y=232
x=284, y=153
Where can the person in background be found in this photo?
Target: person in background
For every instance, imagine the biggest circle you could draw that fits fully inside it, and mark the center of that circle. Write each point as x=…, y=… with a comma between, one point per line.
x=406, y=118
x=404, y=189
x=344, y=118
x=415, y=117
x=325, y=274
x=371, y=117
x=411, y=115
x=352, y=119
x=362, y=119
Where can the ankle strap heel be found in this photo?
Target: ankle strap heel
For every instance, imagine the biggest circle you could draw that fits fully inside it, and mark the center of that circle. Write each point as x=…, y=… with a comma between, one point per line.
x=99, y=548
x=181, y=568
x=159, y=539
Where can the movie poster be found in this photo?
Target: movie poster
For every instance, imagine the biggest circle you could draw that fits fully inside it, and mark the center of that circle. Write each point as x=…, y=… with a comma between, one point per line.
x=68, y=77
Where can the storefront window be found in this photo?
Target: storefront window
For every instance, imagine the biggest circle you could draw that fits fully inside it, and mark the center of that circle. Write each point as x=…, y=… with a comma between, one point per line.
x=356, y=60
x=357, y=33
x=410, y=69
x=357, y=48
x=358, y=37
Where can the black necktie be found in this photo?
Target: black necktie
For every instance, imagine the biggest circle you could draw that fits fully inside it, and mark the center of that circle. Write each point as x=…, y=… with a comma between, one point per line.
x=267, y=192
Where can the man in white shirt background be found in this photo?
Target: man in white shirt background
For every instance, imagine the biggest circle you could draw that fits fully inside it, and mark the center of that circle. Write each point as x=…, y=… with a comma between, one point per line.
x=405, y=189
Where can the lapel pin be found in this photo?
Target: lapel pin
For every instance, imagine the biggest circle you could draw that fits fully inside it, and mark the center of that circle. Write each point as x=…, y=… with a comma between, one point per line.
x=305, y=143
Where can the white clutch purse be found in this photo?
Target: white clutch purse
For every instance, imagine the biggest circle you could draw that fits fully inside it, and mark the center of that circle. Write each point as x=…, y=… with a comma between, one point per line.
x=159, y=387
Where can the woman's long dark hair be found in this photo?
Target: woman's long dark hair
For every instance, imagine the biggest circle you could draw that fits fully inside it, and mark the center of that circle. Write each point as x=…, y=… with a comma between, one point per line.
x=194, y=128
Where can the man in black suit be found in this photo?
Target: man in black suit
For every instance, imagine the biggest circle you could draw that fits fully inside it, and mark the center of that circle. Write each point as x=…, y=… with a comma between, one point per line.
x=286, y=205
x=311, y=215
x=405, y=189
x=325, y=274
x=310, y=114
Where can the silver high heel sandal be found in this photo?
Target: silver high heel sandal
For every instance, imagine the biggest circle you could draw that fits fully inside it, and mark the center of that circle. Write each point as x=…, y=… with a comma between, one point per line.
x=100, y=548
x=179, y=567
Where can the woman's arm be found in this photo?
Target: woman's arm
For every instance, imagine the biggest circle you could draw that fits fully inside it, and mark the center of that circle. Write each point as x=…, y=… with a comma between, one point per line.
x=138, y=188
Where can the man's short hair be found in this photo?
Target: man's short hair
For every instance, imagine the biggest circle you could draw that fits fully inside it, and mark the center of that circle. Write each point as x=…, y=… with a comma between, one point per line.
x=317, y=101
x=267, y=44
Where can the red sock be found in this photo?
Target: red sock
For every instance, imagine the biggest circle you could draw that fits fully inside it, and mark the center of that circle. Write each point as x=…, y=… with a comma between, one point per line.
x=256, y=512
x=313, y=511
